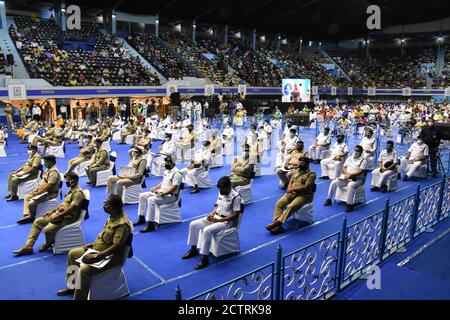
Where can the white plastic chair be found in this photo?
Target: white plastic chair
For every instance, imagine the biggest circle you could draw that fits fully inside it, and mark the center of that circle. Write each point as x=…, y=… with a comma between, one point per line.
x=245, y=192
x=228, y=149
x=102, y=176
x=80, y=169
x=71, y=236
x=257, y=169
x=217, y=161
x=203, y=180
x=26, y=187
x=129, y=139
x=116, y=136
x=110, y=284
x=188, y=153
x=305, y=214
x=421, y=171
x=131, y=194
x=359, y=197
x=106, y=144
x=226, y=241
x=57, y=151
x=158, y=167
x=46, y=206
x=392, y=182
x=169, y=212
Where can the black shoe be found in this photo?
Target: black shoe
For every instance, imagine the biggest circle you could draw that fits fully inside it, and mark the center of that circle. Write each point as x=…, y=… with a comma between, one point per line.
x=12, y=198
x=434, y=175
x=8, y=196
x=148, y=228
x=203, y=263
x=195, y=190
x=140, y=221
x=349, y=208
x=89, y=183
x=324, y=177
x=316, y=161
x=405, y=177
x=26, y=219
x=23, y=251
x=373, y=189
x=384, y=188
x=65, y=292
x=327, y=203
x=191, y=253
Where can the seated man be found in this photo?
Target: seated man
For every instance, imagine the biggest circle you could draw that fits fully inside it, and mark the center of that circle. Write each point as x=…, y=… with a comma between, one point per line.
x=285, y=171
x=199, y=164
x=337, y=157
x=321, y=144
x=369, y=145
x=416, y=156
x=242, y=169
x=104, y=132
x=224, y=215
x=144, y=141
x=100, y=162
x=388, y=166
x=66, y=213
x=29, y=171
x=116, y=184
x=110, y=241
x=130, y=128
x=188, y=141
x=353, y=176
x=54, y=139
x=85, y=154
x=216, y=144
x=92, y=131
x=167, y=148
x=32, y=129
x=300, y=191
x=163, y=193
x=287, y=144
x=78, y=128
x=48, y=188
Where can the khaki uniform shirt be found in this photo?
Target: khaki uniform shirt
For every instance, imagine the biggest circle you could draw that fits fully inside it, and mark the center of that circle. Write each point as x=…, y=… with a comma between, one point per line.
x=242, y=167
x=51, y=177
x=302, y=179
x=74, y=197
x=33, y=162
x=101, y=158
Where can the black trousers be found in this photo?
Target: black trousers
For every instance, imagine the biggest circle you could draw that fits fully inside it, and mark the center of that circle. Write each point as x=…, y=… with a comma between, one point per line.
x=433, y=159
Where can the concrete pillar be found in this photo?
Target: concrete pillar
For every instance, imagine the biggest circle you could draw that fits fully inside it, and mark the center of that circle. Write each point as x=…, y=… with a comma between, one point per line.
x=225, y=35
x=254, y=39
x=157, y=26
x=3, y=24
x=300, y=46
x=63, y=19
x=278, y=41
x=113, y=23
x=194, y=28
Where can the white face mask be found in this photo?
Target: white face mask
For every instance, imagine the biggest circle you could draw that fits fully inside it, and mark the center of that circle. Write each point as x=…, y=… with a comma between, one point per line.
x=356, y=154
x=420, y=141
x=29, y=152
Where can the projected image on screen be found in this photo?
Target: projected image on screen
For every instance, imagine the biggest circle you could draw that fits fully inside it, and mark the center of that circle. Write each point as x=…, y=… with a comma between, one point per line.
x=296, y=90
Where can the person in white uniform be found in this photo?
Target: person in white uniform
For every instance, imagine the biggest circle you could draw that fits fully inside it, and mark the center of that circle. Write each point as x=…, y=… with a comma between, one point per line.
x=163, y=193
x=167, y=148
x=387, y=167
x=416, y=156
x=228, y=134
x=198, y=165
x=322, y=143
x=339, y=152
x=353, y=176
x=224, y=215
x=369, y=145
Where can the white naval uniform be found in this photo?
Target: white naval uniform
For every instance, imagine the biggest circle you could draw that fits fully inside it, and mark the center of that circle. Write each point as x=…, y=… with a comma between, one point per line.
x=416, y=151
x=167, y=148
x=225, y=206
x=353, y=164
x=380, y=179
x=368, y=145
x=315, y=152
x=148, y=200
x=190, y=175
x=338, y=149
x=229, y=133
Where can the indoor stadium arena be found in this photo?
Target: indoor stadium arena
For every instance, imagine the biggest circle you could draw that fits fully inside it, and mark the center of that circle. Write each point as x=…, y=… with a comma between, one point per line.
x=224, y=150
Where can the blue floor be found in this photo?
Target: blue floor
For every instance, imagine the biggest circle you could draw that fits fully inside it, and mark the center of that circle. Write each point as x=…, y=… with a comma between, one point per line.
x=156, y=269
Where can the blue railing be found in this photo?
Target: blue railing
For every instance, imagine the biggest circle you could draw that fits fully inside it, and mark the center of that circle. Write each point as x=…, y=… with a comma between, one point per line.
x=320, y=269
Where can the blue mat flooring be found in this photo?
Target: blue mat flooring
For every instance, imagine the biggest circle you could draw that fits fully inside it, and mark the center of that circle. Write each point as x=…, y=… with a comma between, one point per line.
x=157, y=268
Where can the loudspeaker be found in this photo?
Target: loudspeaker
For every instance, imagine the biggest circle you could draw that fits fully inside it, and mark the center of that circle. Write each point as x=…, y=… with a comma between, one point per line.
x=10, y=59
x=175, y=98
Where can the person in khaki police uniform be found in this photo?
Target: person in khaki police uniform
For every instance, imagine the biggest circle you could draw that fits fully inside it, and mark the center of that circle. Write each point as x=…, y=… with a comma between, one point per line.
x=242, y=169
x=110, y=241
x=53, y=137
x=187, y=142
x=66, y=213
x=165, y=192
x=99, y=163
x=224, y=215
x=48, y=188
x=129, y=129
x=33, y=127
x=85, y=154
x=300, y=191
x=29, y=171
x=9, y=115
x=23, y=114
x=104, y=132
x=116, y=184
x=285, y=171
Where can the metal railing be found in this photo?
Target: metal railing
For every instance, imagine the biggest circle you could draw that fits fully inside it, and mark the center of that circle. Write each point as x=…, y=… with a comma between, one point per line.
x=321, y=269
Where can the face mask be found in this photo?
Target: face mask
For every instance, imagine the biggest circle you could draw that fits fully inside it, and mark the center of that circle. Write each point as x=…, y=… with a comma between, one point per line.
x=106, y=209
x=224, y=193
x=420, y=141
x=302, y=167
x=70, y=184
x=29, y=152
x=340, y=140
x=356, y=154
x=389, y=149
x=168, y=166
x=46, y=164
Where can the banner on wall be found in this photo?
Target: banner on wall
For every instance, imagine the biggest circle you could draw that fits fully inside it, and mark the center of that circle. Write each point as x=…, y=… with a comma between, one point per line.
x=315, y=90
x=406, y=91
x=333, y=91
x=242, y=89
x=371, y=91
x=17, y=92
x=209, y=89
x=447, y=92
x=350, y=91
x=171, y=88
